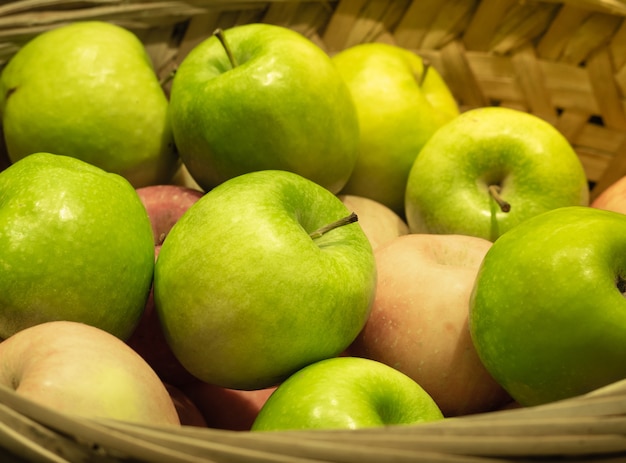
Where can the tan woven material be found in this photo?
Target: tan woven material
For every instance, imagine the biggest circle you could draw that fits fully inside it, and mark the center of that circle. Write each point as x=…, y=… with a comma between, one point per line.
x=564, y=61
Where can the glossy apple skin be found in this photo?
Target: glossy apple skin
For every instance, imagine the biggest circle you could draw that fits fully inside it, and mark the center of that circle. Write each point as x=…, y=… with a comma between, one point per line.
x=346, y=393
x=165, y=204
x=284, y=106
x=613, y=198
x=76, y=245
x=447, y=190
x=224, y=408
x=379, y=222
x=546, y=312
x=246, y=296
x=397, y=114
x=79, y=369
x=88, y=90
x=419, y=320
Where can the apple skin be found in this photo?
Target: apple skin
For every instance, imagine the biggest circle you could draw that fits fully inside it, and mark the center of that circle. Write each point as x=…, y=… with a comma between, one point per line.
x=547, y=309
x=284, y=106
x=88, y=90
x=79, y=369
x=224, y=408
x=246, y=296
x=346, y=393
x=76, y=245
x=613, y=198
x=447, y=190
x=379, y=222
x=397, y=114
x=419, y=320
x=188, y=412
x=165, y=204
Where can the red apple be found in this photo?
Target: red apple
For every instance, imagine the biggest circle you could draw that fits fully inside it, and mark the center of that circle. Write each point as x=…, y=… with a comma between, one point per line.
x=378, y=221
x=613, y=198
x=188, y=412
x=80, y=369
x=419, y=320
x=224, y=408
x=165, y=204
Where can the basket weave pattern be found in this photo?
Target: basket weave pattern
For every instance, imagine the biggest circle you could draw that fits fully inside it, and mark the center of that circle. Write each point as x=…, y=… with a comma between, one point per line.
x=564, y=61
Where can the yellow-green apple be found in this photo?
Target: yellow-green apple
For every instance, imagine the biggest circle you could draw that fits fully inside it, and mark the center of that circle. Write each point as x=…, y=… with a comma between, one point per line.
x=346, y=393
x=76, y=244
x=380, y=223
x=224, y=408
x=613, y=198
x=490, y=169
x=419, y=320
x=400, y=102
x=80, y=369
x=261, y=96
x=165, y=204
x=188, y=412
x=547, y=309
x=88, y=90
x=263, y=275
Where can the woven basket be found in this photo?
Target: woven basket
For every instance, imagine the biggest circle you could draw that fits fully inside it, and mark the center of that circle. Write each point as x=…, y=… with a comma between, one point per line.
x=564, y=61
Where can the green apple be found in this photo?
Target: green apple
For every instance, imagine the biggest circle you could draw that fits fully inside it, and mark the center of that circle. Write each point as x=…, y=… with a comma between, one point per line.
x=75, y=244
x=547, y=312
x=88, y=90
x=490, y=169
x=251, y=284
x=400, y=102
x=81, y=370
x=346, y=393
x=263, y=97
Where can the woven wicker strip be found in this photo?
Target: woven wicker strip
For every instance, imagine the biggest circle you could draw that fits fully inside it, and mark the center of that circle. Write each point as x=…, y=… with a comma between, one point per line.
x=564, y=61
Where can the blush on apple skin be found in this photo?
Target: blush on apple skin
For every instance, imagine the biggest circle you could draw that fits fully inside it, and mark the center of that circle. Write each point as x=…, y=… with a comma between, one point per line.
x=224, y=408
x=165, y=204
x=613, y=198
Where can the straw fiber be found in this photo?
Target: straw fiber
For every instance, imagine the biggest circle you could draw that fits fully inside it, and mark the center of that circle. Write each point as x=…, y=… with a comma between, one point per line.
x=564, y=61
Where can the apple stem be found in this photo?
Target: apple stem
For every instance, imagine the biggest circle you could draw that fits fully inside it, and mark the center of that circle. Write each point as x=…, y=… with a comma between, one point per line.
x=219, y=33
x=331, y=226
x=167, y=78
x=424, y=72
x=621, y=285
x=494, y=191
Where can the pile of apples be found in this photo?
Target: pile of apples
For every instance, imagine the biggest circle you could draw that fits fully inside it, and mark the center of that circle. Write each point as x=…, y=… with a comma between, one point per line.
x=345, y=249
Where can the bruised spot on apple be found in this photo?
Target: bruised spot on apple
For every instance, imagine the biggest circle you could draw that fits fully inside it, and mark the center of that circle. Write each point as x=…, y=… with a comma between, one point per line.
x=419, y=320
x=80, y=369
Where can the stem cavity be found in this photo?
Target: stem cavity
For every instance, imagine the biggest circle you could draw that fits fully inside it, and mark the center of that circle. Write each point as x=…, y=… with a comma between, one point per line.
x=494, y=191
x=331, y=226
x=219, y=33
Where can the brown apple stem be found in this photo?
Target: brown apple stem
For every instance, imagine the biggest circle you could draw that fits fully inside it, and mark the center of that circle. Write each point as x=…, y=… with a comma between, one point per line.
x=621, y=285
x=424, y=72
x=167, y=78
x=219, y=33
x=494, y=191
x=331, y=226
